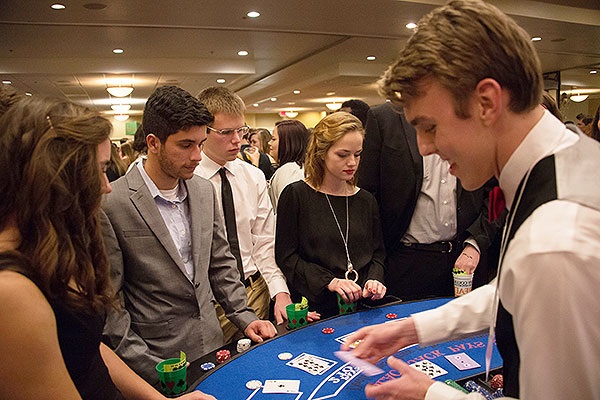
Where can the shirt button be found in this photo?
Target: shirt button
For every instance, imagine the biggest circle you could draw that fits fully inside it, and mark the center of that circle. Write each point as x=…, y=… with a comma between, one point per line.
x=173, y=206
x=445, y=201
x=446, y=224
x=443, y=181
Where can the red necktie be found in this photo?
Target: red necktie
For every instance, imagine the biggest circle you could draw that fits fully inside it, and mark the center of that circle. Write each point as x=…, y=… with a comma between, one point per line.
x=496, y=204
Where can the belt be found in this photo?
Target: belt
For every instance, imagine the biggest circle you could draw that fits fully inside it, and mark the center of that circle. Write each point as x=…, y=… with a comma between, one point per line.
x=437, y=247
x=252, y=279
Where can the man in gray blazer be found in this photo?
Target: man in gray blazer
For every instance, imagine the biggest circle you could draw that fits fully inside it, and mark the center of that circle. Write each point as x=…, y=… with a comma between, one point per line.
x=166, y=241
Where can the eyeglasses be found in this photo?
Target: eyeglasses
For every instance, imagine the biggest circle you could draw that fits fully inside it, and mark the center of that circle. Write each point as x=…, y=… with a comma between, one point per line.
x=242, y=130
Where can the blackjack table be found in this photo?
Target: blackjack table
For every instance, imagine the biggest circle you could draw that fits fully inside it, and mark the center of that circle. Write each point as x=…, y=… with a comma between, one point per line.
x=301, y=364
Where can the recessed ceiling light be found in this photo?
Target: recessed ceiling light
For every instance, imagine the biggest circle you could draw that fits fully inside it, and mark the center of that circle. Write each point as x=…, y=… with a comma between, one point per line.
x=330, y=93
x=296, y=92
x=242, y=53
x=536, y=39
x=411, y=25
x=118, y=51
x=253, y=14
x=28, y=94
x=593, y=71
x=255, y=105
x=58, y=6
x=273, y=98
x=7, y=82
x=371, y=58
x=220, y=80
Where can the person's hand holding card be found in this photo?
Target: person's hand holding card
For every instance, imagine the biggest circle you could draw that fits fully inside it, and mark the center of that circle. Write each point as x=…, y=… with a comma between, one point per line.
x=379, y=341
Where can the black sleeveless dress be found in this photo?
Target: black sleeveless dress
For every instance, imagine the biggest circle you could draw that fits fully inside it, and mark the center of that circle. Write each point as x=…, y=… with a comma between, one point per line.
x=79, y=337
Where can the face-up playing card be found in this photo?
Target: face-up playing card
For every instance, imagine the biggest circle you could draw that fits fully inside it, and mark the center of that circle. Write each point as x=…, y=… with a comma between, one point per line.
x=462, y=361
x=312, y=364
x=281, y=386
x=429, y=368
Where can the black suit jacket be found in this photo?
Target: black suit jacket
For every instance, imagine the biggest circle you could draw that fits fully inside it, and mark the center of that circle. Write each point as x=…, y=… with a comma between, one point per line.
x=392, y=169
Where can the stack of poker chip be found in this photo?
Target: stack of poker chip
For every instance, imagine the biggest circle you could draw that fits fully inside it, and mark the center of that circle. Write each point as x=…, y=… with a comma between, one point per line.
x=471, y=386
x=223, y=355
x=243, y=345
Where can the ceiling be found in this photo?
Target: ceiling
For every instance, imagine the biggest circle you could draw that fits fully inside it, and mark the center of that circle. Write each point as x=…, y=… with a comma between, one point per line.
x=318, y=47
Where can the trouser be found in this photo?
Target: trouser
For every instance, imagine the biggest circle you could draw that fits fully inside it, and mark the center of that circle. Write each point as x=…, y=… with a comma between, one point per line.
x=258, y=300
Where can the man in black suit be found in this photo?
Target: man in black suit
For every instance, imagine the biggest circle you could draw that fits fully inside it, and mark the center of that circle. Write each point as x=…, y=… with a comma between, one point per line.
x=430, y=223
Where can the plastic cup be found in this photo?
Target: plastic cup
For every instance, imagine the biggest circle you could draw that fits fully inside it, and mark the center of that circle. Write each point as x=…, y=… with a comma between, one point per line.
x=462, y=283
x=174, y=382
x=296, y=318
x=343, y=307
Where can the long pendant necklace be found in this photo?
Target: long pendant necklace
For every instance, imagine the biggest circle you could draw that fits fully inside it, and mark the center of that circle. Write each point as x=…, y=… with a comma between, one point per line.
x=350, y=268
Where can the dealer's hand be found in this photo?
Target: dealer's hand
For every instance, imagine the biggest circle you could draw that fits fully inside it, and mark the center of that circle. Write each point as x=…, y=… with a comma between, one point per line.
x=378, y=341
x=259, y=330
x=348, y=289
x=374, y=289
x=468, y=259
x=412, y=385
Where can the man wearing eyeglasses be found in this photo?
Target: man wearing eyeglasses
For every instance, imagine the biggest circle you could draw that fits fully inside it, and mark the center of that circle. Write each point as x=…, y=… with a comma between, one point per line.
x=253, y=221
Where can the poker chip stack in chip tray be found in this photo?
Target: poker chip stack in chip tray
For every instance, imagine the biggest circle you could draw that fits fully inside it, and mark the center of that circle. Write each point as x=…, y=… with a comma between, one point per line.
x=207, y=366
x=243, y=345
x=223, y=355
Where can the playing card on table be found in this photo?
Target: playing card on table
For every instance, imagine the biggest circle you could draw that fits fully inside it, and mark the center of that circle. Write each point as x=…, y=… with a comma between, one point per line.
x=281, y=386
x=429, y=368
x=312, y=364
x=462, y=361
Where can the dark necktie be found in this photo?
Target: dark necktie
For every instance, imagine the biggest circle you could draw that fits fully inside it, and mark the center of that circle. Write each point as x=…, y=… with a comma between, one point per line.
x=496, y=204
x=230, y=225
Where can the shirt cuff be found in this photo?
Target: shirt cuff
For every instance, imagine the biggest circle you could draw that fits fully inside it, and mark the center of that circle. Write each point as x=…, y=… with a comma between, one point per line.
x=471, y=240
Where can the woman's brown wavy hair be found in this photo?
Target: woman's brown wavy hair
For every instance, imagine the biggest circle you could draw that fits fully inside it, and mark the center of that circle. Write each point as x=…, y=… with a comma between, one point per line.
x=52, y=185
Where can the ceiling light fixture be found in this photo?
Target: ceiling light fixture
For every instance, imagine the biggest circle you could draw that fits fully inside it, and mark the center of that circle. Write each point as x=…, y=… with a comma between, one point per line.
x=536, y=39
x=58, y=6
x=273, y=98
x=122, y=117
x=296, y=92
x=291, y=114
x=333, y=106
x=371, y=58
x=118, y=51
x=578, y=98
x=411, y=25
x=6, y=82
x=119, y=91
x=593, y=71
x=255, y=105
x=242, y=53
x=121, y=108
x=221, y=80
x=253, y=14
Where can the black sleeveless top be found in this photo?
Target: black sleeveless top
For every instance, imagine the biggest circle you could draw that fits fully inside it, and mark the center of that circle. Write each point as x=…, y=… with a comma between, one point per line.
x=79, y=337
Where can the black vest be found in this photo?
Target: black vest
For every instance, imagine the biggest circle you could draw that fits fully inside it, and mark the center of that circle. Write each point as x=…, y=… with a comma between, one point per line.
x=570, y=174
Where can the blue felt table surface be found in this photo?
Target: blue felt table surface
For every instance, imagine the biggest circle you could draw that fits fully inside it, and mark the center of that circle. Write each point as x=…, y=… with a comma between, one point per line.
x=340, y=381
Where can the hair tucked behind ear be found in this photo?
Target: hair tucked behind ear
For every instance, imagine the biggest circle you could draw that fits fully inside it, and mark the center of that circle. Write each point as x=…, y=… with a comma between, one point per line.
x=53, y=186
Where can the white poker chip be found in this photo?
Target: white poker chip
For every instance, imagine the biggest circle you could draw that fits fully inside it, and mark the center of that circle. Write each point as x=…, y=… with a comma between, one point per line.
x=253, y=384
x=285, y=356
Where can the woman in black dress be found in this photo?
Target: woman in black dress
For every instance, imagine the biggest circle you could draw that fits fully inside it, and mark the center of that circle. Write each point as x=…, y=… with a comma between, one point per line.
x=328, y=237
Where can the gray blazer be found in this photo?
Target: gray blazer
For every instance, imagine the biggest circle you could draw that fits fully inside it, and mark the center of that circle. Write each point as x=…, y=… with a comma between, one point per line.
x=164, y=311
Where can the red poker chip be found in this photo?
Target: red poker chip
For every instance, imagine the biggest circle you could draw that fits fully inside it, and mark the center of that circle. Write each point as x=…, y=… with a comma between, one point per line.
x=391, y=316
x=328, y=330
x=223, y=355
x=497, y=382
